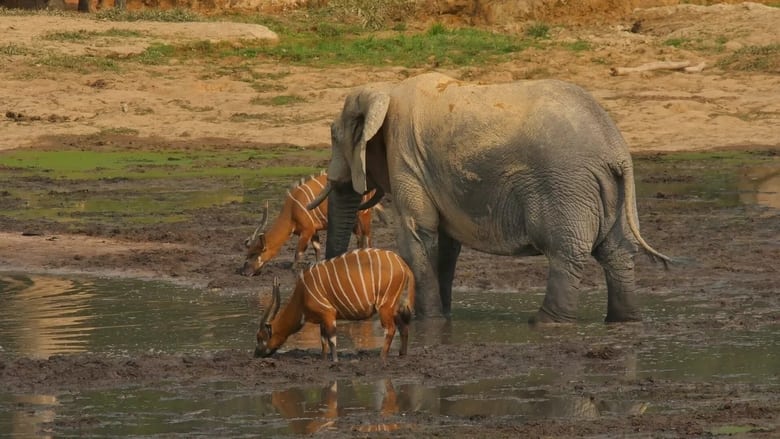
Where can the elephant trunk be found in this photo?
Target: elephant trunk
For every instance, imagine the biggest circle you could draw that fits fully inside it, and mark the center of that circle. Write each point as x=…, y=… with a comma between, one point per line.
x=343, y=205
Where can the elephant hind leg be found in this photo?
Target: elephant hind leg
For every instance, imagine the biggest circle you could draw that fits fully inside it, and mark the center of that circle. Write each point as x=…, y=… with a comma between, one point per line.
x=563, y=284
x=616, y=256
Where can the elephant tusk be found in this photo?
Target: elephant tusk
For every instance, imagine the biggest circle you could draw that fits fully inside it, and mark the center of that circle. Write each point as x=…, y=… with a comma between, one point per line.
x=412, y=225
x=321, y=197
x=371, y=202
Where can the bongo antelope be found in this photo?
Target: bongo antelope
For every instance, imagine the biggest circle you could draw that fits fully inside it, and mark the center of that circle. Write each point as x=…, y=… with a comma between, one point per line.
x=296, y=219
x=353, y=286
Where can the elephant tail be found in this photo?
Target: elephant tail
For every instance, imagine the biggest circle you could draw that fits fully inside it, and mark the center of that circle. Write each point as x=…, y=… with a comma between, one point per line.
x=625, y=170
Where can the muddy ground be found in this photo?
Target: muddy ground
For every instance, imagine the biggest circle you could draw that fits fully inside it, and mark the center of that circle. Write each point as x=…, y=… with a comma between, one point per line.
x=727, y=254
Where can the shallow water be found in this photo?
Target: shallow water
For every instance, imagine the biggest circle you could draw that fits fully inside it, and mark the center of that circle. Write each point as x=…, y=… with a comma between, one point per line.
x=45, y=315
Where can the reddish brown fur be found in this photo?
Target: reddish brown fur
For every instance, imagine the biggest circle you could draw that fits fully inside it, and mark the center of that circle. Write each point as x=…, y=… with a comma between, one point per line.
x=295, y=219
x=353, y=286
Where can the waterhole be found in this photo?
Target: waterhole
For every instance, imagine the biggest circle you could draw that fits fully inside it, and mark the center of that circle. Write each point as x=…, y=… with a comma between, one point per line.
x=47, y=315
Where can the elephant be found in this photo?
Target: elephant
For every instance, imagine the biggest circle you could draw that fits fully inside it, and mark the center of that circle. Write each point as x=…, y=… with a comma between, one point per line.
x=524, y=168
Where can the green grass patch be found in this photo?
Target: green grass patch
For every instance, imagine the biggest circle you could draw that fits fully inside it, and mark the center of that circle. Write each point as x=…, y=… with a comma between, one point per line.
x=265, y=87
x=439, y=45
x=578, y=46
x=278, y=100
x=120, y=33
x=84, y=35
x=753, y=59
x=156, y=54
x=124, y=188
x=15, y=12
x=162, y=53
x=13, y=50
x=538, y=31
x=118, y=131
x=676, y=42
x=77, y=63
x=708, y=45
x=246, y=117
x=176, y=15
x=454, y=47
x=91, y=165
x=78, y=35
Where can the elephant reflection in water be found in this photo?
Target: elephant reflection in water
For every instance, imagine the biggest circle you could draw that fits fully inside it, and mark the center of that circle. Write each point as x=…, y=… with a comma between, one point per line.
x=307, y=416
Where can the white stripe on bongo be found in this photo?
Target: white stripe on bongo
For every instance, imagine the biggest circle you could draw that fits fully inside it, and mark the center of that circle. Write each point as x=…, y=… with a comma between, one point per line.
x=317, y=297
x=311, y=219
x=331, y=286
x=321, y=285
x=369, y=290
x=338, y=293
x=365, y=302
x=322, y=292
x=372, y=285
x=308, y=192
x=379, y=277
x=353, y=293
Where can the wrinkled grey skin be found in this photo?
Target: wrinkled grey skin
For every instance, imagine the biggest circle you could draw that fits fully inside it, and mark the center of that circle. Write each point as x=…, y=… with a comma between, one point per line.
x=526, y=168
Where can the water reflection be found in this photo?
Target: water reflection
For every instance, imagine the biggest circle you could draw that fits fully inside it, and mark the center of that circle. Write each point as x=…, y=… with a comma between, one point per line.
x=32, y=412
x=47, y=315
x=760, y=185
x=43, y=315
x=309, y=410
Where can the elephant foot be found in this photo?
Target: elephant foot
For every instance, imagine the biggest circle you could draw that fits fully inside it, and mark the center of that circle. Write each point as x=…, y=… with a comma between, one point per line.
x=432, y=330
x=544, y=317
x=623, y=318
x=431, y=314
x=432, y=310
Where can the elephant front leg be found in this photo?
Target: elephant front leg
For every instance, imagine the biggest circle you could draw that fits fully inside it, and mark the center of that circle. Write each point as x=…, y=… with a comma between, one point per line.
x=449, y=250
x=418, y=247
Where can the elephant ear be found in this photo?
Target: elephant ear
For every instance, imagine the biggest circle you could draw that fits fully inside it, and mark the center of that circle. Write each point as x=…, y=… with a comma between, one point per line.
x=372, y=107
